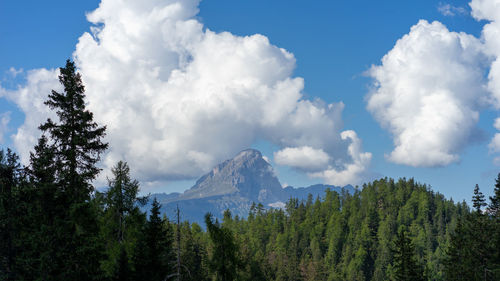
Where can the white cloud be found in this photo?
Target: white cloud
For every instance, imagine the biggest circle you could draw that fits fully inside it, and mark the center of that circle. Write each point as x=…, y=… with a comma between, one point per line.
x=490, y=11
x=304, y=157
x=450, y=10
x=15, y=72
x=177, y=98
x=428, y=93
x=494, y=145
x=495, y=142
x=351, y=172
x=4, y=121
x=30, y=99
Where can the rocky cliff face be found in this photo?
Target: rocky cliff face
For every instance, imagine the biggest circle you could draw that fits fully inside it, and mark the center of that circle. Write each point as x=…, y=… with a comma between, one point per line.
x=247, y=175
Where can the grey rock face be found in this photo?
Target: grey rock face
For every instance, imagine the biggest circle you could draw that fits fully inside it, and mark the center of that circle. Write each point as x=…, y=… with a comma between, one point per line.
x=247, y=175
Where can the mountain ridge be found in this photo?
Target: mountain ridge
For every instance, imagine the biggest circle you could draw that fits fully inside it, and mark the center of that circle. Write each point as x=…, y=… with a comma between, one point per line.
x=236, y=184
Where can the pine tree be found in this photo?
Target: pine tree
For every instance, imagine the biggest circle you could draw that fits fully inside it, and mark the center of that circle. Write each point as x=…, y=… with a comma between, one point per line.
x=122, y=219
x=472, y=250
x=405, y=265
x=458, y=264
x=494, y=206
x=77, y=139
x=223, y=261
x=10, y=180
x=478, y=200
x=156, y=260
x=49, y=215
x=75, y=145
x=193, y=253
x=122, y=269
x=494, y=211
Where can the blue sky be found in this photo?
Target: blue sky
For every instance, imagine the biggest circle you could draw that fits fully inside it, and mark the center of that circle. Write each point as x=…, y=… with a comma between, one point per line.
x=334, y=43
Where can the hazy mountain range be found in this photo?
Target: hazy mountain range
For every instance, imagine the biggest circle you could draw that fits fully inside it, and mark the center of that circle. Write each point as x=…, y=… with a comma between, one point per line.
x=235, y=184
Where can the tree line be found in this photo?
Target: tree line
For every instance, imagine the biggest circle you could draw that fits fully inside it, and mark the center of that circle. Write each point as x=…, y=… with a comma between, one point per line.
x=54, y=225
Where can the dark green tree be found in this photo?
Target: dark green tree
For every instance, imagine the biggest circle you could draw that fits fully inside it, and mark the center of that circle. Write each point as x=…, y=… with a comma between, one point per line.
x=473, y=248
x=76, y=138
x=494, y=211
x=122, y=219
x=193, y=253
x=10, y=229
x=75, y=143
x=122, y=270
x=406, y=267
x=49, y=216
x=223, y=261
x=459, y=263
x=478, y=201
x=155, y=257
x=122, y=198
x=494, y=206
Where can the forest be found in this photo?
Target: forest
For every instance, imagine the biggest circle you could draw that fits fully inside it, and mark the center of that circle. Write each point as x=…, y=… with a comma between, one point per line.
x=54, y=224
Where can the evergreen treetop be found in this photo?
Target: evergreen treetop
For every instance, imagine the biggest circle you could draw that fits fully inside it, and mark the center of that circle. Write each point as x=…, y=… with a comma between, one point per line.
x=478, y=200
x=76, y=138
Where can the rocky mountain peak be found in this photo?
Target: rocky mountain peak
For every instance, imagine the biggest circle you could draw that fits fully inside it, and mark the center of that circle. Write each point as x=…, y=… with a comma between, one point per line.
x=247, y=155
x=247, y=174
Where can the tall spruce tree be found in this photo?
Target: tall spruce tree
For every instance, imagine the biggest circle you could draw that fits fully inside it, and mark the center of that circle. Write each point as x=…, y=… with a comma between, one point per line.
x=224, y=262
x=76, y=138
x=49, y=216
x=478, y=201
x=10, y=181
x=473, y=248
x=494, y=211
x=406, y=267
x=122, y=219
x=494, y=206
x=155, y=259
x=75, y=143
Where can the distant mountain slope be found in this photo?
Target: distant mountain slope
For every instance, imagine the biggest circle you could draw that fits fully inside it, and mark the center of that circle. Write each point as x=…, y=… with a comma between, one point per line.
x=247, y=175
x=235, y=184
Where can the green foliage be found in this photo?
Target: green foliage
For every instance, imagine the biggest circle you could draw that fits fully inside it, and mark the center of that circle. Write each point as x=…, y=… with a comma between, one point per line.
x=75, y=143
x=11, y=212
x=121, y=220
x=473, y=252
x=405, y=266
x=155, y=257
x=76, y=138
x=223, y=261
x=494, y=206
x=194, y=256
x=63, y=243
x=478, y=200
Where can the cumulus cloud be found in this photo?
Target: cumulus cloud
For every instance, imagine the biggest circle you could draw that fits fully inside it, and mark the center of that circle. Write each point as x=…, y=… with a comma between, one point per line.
x=428, y=92
x=429, y=95
x=449, y=10
x=178, y=98
x=30, y=99
x=495, y=142
x=15, y=72
x=4, y=121
x=490, y=11
x=349, y=171
x=305, y=157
